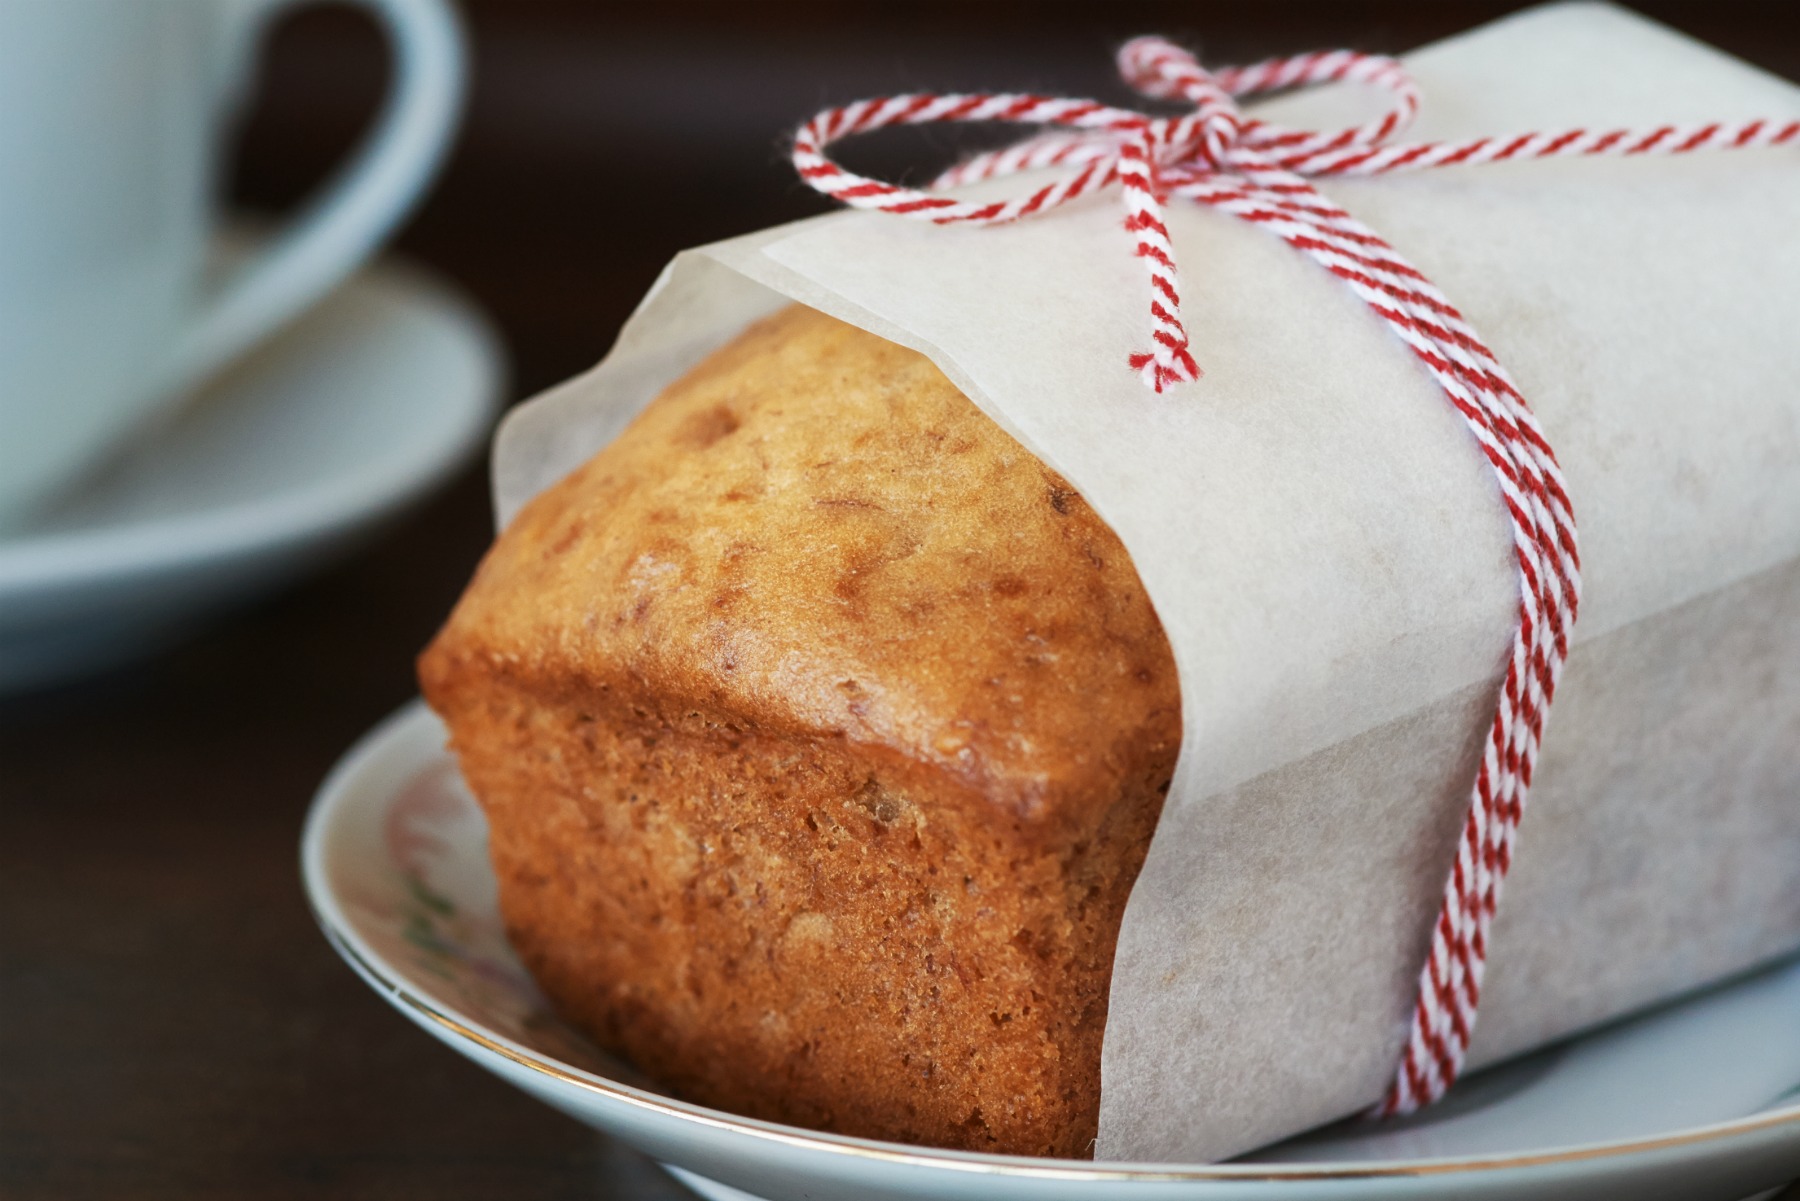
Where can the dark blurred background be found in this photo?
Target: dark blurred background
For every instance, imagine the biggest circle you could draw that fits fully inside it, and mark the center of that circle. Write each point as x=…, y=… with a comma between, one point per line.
x=171, y=1025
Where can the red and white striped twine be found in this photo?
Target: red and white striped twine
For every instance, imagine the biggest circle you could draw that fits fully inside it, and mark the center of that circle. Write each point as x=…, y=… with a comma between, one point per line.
x=1216, y=156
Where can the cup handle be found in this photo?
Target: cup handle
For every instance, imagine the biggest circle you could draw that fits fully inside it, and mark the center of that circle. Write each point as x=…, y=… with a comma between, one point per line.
x=357, y=208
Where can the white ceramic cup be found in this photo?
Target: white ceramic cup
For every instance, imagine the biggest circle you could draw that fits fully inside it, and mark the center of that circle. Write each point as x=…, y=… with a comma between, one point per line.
x=111, y=118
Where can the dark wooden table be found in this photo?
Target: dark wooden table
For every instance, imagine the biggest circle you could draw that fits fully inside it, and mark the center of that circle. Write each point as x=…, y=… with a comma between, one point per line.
x=171, y=1023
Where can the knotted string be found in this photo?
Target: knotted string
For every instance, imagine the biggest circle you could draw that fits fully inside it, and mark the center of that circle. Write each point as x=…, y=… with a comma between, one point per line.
x=1259, y=172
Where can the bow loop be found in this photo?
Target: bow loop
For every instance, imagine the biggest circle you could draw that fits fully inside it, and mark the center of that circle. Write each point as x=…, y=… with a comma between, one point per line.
x=1100, y=146
x=1116, y=146
x=1309, y=152
x=1161, y=70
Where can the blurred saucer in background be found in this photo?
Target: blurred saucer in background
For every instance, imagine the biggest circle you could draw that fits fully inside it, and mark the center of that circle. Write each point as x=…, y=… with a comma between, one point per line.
x=278, y=467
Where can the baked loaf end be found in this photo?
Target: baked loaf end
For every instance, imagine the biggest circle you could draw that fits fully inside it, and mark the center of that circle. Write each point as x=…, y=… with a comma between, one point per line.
x=821, y=731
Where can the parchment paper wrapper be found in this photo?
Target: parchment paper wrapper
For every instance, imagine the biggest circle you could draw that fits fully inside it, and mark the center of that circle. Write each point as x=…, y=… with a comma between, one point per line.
x=1329, y=555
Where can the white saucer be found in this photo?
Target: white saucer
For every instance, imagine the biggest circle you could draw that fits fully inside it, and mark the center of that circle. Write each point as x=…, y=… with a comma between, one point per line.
x=1697, y=1100
x=362, y=405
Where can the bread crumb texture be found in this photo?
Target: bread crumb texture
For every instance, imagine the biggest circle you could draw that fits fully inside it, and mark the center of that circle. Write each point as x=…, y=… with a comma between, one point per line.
x=821, y=731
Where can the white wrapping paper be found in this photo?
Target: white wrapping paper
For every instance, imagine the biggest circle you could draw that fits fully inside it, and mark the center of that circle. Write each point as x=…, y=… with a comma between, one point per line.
x=1330, y=558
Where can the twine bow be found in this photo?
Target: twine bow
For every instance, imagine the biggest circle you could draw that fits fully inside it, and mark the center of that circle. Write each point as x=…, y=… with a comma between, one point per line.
x=1259, y=172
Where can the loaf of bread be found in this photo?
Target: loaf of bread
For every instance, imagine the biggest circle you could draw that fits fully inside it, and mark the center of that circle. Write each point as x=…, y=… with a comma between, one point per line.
x=821, y=731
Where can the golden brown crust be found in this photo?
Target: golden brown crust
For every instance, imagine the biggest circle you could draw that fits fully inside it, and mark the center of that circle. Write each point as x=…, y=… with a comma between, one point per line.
x=821, y=730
